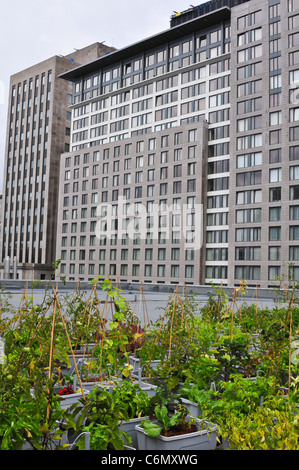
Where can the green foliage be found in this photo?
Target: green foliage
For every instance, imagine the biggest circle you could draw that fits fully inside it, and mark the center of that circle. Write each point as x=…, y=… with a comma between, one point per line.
x=168, y=421
x=132, y=398
x=101, y=416
x=219, y=344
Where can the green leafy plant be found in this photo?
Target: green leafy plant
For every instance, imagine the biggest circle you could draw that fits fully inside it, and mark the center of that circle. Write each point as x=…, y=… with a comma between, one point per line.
x=168, y=422
x=100, y=415
x=132, y=398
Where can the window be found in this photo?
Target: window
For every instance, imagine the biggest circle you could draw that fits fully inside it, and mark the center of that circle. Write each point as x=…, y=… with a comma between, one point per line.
x=294, y=173
x=249, y=20
x=252, y=105
x=294, y=133
x=294, y=153
x=248, y=215
x=217, y=236
x=294, y=192
x=250, y=141
x=294, y=212
x=249, y=178
x=274, y=214
x=273, y=273
x=249, y=197
x=293, y=5
x=177, y=187
x=216, y=254
x=248, y=234
x=275, y=81
x=275, y=137
x=275, y=156
x=275, y=118
x=249, y=88
x=274, y=233
x=275, y=194
x=216, y=272
x=248, y=253
x=247, y=272
x=249, y=124
x=274, y=175
x=189, y=271
x=161, y=271
x=294, y=232
x=248, y=160
x=274, y=253
x=147, y=270
x=294, y=253
x=249, y=53
x=163, y=189
x=191, y=185
x=175, y=271
x=192, y=136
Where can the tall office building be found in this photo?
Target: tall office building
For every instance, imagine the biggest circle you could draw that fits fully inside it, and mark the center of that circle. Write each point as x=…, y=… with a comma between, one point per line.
x=183, y=153
x=38, y=131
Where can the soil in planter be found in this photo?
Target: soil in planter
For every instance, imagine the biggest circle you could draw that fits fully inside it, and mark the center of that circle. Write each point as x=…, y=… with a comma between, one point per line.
x=96, y=380
x=178, y=430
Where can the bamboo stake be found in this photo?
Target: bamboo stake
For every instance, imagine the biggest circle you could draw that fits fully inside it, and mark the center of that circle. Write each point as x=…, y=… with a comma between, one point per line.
x=70, y=345
x=291, y=327
x=159, y=331
x=30, y=340
x=84, y=316
x=171, y=324
x=232, y=320
x=51, y=351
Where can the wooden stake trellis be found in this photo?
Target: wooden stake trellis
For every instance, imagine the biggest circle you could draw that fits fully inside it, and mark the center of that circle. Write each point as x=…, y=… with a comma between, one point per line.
x=70, y=344
x=142, y=302
x=175, y=300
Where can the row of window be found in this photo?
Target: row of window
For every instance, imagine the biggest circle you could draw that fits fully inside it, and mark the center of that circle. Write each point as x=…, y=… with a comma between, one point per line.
x=253, y=253
x=250, y=273
x=135, y=270
x=153, y=64
x=163, y=238
x=127, y=149
x=254, y=215
x=253, y=234
x=176, y=254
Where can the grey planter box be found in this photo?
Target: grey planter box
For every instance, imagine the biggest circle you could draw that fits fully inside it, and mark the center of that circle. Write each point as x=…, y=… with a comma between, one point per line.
x=109, y=384
x=139, y=366
x=202, y=439
x=79, y=358
x=194, y=409
x=130, y=428
x=68, y=400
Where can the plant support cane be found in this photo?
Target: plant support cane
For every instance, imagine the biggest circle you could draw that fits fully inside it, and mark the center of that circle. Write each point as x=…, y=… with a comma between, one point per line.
x=70, y=345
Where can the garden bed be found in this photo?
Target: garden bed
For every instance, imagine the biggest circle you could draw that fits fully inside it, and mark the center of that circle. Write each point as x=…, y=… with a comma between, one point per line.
x=234, y=367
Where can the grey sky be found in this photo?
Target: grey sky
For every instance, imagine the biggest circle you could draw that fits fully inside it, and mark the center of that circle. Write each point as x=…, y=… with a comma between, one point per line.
x=32, y=31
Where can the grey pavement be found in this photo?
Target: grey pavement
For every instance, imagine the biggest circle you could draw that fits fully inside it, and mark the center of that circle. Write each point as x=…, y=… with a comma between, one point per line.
x=147, y=305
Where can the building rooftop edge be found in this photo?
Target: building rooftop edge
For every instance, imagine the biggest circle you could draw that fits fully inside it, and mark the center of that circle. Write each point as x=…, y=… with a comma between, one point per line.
x=66, y=57
x=151, y=42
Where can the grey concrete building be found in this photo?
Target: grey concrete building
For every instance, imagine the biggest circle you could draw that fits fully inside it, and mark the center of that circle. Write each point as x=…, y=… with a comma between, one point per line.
x=38, y=131
x=201, y=116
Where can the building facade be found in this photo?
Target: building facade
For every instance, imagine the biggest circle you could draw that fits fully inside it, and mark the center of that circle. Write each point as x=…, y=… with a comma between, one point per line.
x=38, y=131
x=182, y=163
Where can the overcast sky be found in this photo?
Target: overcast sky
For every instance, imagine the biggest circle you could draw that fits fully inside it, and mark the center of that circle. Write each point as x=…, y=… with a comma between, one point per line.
x=32, y=31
